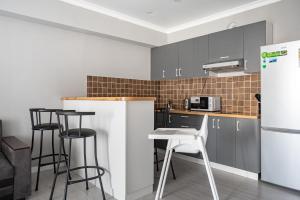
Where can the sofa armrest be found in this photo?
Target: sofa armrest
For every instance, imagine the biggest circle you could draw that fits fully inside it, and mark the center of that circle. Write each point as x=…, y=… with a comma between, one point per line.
x=18, y=154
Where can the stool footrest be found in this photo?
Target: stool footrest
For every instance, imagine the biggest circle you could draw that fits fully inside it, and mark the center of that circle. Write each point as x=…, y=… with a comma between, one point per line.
x=48, y=155
x=51, y=163
x=83, y=167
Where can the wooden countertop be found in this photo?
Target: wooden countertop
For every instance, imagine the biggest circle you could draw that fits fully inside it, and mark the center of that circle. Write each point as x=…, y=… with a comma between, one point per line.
x=110, y=98
x=215, y=114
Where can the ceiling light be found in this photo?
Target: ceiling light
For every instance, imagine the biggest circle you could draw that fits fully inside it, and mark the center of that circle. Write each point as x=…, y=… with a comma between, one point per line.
x=177, y=1
x=150, y=12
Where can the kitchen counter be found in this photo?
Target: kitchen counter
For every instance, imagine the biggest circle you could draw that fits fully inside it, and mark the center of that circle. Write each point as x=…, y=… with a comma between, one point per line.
x=111, y=98
x=214, y=114
x=124, y=150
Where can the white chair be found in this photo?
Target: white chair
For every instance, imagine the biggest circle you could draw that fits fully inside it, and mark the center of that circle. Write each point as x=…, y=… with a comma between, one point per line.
x=184, y=140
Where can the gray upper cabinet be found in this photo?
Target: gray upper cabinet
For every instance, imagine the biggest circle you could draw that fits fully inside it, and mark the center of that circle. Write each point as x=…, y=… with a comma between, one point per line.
x=186, y=58
x=248, y=145
x=226, y=45
x=164, y=62
x=171, y=60
x=226, y=141
x=255, y=36
x=192, y=54
x=158, y=67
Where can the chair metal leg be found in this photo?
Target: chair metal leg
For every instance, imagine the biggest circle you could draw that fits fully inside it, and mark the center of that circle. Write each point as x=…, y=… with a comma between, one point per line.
x=32, y=141
x=162, y=173
x=39, y=164
x=68, y=170
x=66, y=157
x=156, y=159
x=57, y=170
x=97, y=165
x=85, y=169
x=209, y=171
x=173, y=172
x=166, y=173
x=53, y=152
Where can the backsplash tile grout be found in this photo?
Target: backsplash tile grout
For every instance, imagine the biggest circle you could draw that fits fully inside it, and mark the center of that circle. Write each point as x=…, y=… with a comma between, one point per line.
x=237, y=93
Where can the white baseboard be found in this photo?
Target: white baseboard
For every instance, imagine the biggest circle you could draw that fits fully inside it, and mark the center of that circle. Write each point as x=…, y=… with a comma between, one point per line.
x=225, y=168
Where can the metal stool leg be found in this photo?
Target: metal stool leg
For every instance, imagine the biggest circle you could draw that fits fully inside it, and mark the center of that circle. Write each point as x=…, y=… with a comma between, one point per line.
x=156, y=159
x=57, y=170
x=97, y=165
x=85, y=169
x=66, y=157
x=32, y=141
x=53, y=152
x=39, y=165
x=173, y=172
x=68, y=170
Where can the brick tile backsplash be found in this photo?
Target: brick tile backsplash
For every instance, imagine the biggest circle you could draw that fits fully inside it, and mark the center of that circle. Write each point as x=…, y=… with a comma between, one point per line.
x=237, y=93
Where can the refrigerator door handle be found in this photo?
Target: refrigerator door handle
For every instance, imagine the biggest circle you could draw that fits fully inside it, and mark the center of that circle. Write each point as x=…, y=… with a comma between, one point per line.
x=281, y=130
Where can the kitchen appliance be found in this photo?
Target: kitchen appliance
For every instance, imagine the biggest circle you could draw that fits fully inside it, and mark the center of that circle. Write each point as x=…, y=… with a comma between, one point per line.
x=225, y=66
x=186, y=103
x=205, y=103
x=280, y=118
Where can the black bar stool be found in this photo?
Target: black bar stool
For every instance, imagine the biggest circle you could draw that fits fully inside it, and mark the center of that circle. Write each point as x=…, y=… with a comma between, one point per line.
x=76, y=133
x=37, y=124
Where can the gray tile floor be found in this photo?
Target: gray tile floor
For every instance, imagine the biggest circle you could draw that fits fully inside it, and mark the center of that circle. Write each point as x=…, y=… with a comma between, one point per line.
x=191, y=184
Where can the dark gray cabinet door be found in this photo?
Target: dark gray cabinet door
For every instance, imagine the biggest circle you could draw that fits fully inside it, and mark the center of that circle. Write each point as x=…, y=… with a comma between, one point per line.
x=248, y=145
x=192, y=54
x=226, y=141
x=211, y=143
x=158, y=67
x=254, y=37
x=171, y=60
x=226, y=45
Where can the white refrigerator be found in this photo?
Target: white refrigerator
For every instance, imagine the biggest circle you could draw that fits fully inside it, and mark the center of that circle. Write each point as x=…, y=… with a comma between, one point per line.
x=280, y=114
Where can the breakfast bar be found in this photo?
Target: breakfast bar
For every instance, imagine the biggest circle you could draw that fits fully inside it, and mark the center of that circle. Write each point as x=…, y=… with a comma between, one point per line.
x=124, y=151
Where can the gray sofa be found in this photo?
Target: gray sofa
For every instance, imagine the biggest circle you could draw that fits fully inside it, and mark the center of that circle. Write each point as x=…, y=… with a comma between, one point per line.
x=15, y=168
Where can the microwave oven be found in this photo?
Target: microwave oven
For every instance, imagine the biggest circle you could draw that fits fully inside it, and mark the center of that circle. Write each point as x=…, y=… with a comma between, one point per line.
x=205, y=103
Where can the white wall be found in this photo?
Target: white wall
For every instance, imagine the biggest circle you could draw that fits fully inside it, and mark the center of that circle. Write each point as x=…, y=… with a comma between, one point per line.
x=283, y=15
x=40, y=64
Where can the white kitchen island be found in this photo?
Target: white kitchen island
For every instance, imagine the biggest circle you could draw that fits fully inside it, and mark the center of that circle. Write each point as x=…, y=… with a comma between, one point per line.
x=124, y=150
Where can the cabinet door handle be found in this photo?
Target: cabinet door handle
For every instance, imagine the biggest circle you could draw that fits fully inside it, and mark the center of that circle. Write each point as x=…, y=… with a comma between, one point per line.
x=218, y=123
x=237, y=125
x=180, y=71
x=184, y=126
x=170, y=119
x=213, y=123
x=224, y=57
x=164, y=74
x=184, y=116
x=176, y=72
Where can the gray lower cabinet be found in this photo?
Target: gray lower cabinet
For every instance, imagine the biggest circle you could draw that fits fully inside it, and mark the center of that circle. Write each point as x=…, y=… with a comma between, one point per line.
x=248, y=145
x=226, y=141
x=211, y=143
x=226, y=45
x=233, y=142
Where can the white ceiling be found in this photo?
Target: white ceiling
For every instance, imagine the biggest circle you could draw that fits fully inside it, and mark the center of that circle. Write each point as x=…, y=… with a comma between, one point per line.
x=169, y=15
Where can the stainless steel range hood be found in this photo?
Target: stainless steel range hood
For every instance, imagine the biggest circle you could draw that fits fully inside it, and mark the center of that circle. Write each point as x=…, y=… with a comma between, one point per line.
x=225, y=67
